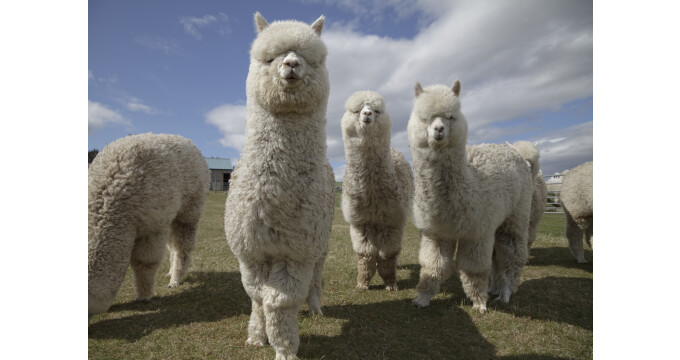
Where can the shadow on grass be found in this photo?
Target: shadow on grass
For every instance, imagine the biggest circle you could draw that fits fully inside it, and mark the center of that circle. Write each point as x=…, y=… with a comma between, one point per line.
x=396, y=330
x=205, y=301
x=559, y=256
x=559, y=299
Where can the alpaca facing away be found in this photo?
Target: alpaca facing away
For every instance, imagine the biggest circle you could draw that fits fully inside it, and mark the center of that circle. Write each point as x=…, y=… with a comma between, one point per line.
x=281, y=199
x=478, y=197
x=576, y=198
x=377, y=190
x=131, y=218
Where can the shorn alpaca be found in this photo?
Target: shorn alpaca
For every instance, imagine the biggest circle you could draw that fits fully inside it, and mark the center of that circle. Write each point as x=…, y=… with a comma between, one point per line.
x=144, y=192
x=576, y=197
x=477, y=197
x=281, y=200
x=530, y=152
x=377, y=190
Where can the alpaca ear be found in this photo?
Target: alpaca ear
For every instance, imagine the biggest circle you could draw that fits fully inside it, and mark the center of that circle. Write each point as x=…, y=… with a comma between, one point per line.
x=456, y=88
x=260, y=23
x=419, y=89
x=317, y=26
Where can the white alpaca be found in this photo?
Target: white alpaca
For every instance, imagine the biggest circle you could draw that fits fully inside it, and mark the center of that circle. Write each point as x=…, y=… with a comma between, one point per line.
x=576, y=197
x=144, y=192
x=377, y=190
x=478, y=197
x=529, y=151
x=280, y=207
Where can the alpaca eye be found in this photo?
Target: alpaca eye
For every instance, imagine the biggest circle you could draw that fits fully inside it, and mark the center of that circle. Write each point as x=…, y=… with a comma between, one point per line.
x=377, y=112
x=270, y=61
x=451, y=118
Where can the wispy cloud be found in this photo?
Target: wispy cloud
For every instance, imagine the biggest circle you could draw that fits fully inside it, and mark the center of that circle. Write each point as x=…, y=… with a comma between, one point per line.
x=192, y=24
x=135, y=104
x=157, y=43
x=99, y=115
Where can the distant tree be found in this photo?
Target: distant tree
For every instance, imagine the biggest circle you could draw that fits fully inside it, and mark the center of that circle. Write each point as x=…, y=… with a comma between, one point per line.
x=91, y=155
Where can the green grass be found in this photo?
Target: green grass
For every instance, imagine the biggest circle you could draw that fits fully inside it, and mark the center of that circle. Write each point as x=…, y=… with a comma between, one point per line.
x=551, y=317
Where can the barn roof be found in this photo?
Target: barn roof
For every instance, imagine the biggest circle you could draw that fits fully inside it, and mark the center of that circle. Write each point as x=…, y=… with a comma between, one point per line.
x=218, y=163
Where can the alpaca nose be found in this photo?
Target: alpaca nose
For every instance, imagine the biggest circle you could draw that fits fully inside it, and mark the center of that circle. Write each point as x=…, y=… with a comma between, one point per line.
x=291, y=61
x=439, y=128
x=368, y=112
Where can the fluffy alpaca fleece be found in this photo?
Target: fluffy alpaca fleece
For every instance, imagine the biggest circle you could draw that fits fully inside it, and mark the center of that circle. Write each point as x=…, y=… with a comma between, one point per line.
x=478, y=197
x=576, y=197
x=377, y=190
x=144, y=192
x=529, y=151
x=281, y=199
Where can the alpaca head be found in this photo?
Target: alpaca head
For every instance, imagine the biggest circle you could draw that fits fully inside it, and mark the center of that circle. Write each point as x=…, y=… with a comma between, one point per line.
x=436, y=120
x=365, y=117
x=288, y=66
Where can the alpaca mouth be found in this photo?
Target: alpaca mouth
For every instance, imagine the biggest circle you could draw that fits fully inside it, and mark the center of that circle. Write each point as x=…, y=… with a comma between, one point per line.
x=438, y=137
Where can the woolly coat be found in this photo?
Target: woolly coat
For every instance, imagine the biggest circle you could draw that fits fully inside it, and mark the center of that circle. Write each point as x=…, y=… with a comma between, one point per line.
x=477, y=196
x=138, y=187
x=576, y=194
x=377, y=189
x=530, y=153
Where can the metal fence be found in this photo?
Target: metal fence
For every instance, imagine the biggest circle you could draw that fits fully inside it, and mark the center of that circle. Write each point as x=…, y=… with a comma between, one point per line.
x=553, y=221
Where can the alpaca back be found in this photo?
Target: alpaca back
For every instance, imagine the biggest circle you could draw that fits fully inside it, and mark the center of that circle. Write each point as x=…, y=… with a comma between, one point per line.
x=576, y=194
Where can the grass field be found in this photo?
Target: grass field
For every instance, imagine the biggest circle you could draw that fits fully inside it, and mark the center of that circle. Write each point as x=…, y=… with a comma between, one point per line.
x=551, y=317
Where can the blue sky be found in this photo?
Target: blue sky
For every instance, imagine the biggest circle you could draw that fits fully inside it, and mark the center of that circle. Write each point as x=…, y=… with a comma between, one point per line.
x=526, y=68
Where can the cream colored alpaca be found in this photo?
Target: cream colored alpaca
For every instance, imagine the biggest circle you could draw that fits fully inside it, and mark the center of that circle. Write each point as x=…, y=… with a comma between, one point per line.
x=576, y=198
x=377, y=190
x=280, y=207
x=478, y=197
x=144, y=192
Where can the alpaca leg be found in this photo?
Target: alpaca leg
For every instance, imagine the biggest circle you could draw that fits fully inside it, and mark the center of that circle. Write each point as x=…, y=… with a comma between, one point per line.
x=510, y=255
x=474, y=260
x=315, y=290
x=252, y=277
x=284, y=292
x=366, y=267
x=181, y=244
x=147, y=255
x=436, y=264
x=575, y=238
x=257, y=335
x=387, y=268
x=589, y=234
x=107, y=262
x=495, y=279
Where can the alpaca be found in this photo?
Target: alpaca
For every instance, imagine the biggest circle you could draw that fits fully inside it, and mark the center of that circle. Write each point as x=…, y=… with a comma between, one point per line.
x=576, y=198
x=144, y=192
x=377, y=190
x=281, y=200
x=478, y=198
x=529, y=151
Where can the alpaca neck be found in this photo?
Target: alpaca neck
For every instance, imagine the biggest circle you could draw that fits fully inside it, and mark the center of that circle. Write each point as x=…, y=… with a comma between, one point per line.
x=446, y=174
x=368, y=161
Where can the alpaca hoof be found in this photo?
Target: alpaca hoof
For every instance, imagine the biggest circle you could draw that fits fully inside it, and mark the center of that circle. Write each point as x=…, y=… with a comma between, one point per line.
x=582, y=260
x=421, y=302
x=280, y=356
x=362, y=287
x=255, y=342
x=504, y=297
x=315, y=310
x=479, y=307
x=391, y=287
x=493, y=292
x=143, y=298
x=173, y=284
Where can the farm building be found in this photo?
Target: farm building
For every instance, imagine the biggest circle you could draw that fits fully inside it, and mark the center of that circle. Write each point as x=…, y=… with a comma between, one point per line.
x=220, y=172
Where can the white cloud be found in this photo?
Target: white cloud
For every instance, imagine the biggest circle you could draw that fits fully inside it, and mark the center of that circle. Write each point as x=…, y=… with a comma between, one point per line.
x=231, y=121
x=514, y=59
x=192, y=24
x=98, y=116
x=339, y=173
x=565, y=148
x=135, y=104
